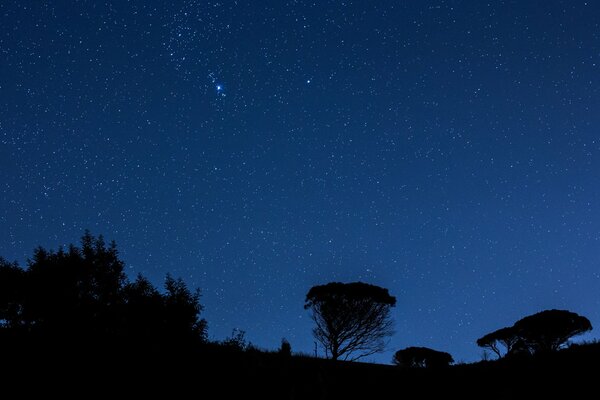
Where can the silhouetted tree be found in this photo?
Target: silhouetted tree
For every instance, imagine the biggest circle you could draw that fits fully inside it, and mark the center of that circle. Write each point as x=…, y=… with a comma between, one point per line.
x=182, y=309
x=352, y=319
x=237, y=340
x=83, y=292
x=12, y=283
x=422, y=357
x=507, y=337
x=286, y=348
x=545, y=331
x=144, y=312
x=76, y=291
x=551, y=329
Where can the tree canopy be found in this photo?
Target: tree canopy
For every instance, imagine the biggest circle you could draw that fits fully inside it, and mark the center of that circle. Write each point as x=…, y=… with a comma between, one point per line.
x=547, y=330
x=506, y=337
x=352, y=319
x=84, y=292
x=422, y=357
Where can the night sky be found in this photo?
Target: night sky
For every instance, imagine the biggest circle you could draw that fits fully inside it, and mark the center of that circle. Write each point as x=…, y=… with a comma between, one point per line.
x=446, y=150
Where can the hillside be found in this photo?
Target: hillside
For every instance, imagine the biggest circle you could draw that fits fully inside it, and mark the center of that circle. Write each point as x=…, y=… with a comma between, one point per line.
x=110, y=370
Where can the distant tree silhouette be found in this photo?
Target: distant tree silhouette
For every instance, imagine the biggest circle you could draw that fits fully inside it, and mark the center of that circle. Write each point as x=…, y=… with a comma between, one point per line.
x=286, y=348
x=422, y=357
x=182, y=309
x=551, y=329
x=545, y=331
x=83, y=292
x=352, y=319
x=507, y=337
x=237, y=340
x=12, y=280
x=74, y=292
x=144, y=313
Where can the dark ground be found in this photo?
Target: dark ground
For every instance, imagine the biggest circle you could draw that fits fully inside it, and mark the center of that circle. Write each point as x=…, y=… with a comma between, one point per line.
x=95, y=369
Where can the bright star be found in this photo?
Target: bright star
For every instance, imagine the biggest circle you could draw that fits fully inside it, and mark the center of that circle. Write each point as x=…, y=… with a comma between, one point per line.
x=220, y=90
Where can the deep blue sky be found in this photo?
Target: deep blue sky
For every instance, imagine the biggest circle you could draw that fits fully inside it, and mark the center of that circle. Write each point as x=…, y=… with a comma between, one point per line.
x=446, y=150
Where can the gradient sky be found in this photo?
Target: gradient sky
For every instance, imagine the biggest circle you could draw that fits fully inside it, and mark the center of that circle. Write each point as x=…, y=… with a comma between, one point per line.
x=446, y=150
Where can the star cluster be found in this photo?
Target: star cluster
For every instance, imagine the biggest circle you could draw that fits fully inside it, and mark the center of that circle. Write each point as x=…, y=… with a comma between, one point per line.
x=446, y=150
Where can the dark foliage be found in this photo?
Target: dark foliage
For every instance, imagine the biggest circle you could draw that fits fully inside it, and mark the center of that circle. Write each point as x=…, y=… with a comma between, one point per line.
x=237, y=341
x=182, y=308
x=12, y=282
x=61, y=318
x=286, y=348
x=507, y=337
x=422, y=357
x=82, y=293
x=551, y=329
x=545, y=331
x=352, y=319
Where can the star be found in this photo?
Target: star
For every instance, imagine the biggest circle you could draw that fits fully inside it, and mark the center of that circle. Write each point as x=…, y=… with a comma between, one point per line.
x=220, y=90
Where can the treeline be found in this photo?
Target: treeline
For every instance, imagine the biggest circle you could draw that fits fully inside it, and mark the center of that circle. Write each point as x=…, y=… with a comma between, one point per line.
x=543, y=332
x=352, y=320
x=539, y=334
x=81, y=293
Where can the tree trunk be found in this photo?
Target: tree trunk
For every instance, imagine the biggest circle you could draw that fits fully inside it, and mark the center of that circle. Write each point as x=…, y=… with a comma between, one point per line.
x=335, y=351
